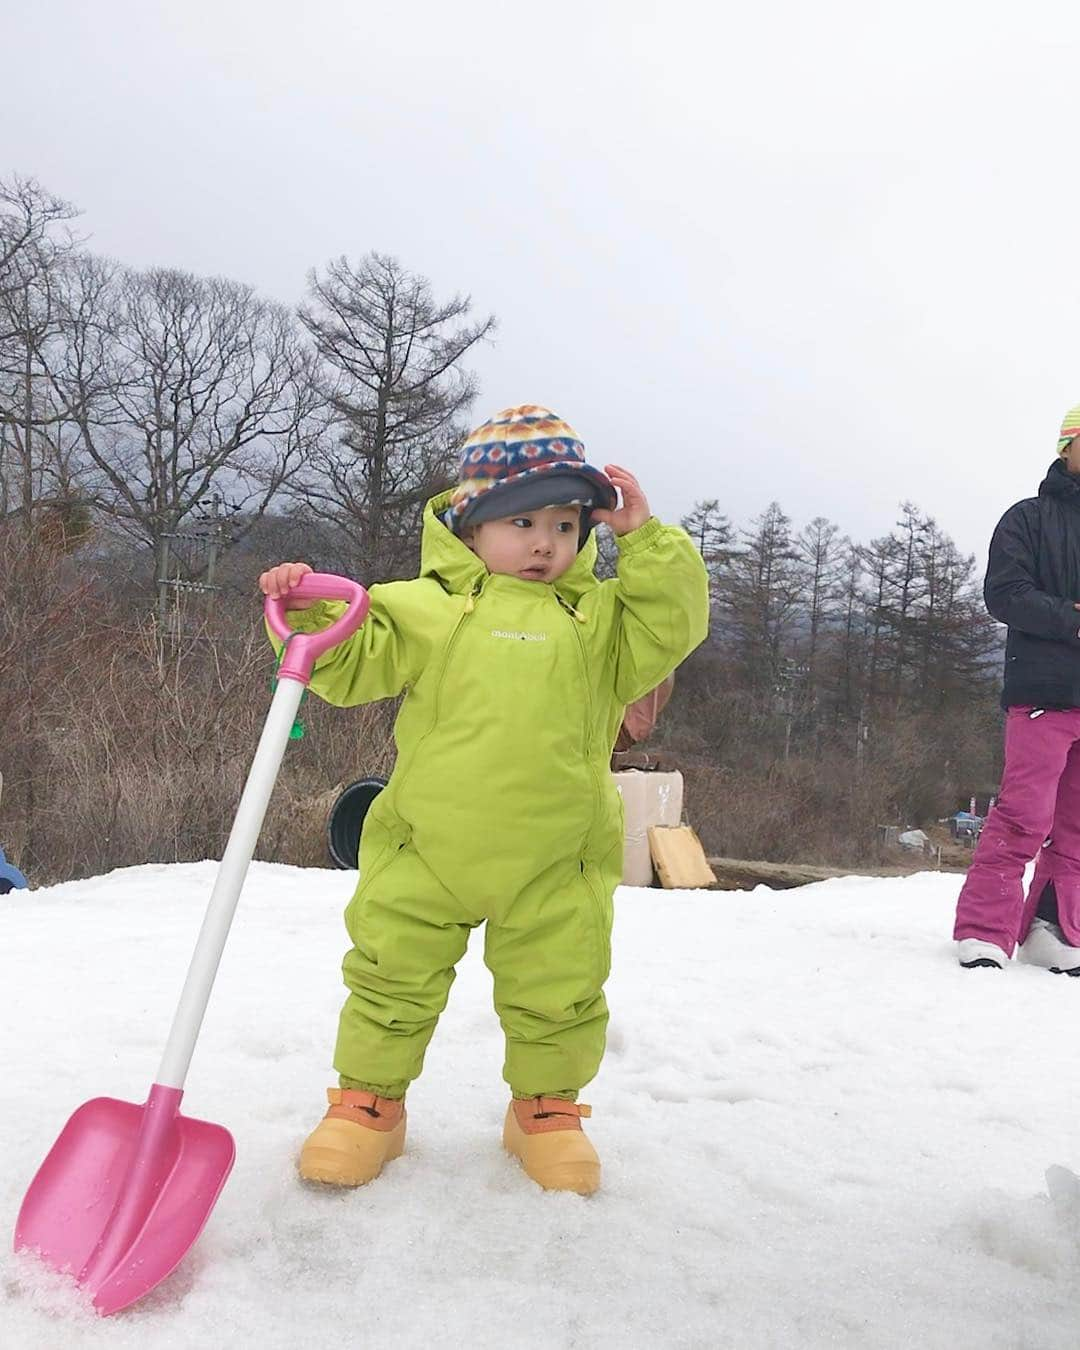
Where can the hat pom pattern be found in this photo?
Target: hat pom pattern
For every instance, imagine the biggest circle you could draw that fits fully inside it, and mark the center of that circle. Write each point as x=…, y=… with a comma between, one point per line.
x=517, y=444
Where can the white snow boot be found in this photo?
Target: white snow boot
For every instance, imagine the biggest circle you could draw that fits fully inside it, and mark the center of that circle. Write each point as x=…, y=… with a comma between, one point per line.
x=1045, y=946
x=973, y=953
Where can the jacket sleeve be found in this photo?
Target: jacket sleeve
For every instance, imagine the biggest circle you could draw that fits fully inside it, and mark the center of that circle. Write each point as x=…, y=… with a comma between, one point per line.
x=1011, y=588
x=386, y=653
x=663, y=591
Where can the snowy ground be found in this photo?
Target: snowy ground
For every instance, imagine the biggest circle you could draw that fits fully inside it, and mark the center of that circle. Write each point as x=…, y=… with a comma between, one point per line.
x=816, y=1130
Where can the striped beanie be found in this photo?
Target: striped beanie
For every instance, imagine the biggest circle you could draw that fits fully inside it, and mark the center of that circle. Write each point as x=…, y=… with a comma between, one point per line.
x=523, y=459
x=1070, y=427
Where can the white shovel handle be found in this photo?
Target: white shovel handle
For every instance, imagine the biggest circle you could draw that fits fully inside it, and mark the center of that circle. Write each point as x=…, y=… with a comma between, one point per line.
x=241, y=847
x=230, y=879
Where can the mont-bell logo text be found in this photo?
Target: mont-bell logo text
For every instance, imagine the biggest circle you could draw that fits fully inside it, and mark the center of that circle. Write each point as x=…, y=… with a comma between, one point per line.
x=517, y=636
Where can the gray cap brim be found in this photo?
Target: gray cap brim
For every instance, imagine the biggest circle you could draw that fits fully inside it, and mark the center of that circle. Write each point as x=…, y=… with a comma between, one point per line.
x=530, y=494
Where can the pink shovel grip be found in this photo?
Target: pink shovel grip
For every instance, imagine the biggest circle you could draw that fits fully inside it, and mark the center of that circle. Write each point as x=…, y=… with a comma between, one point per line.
x=305, y=648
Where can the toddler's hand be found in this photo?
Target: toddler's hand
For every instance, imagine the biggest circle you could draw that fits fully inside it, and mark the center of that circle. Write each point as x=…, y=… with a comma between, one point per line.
x=634, y=511
x=280, y=580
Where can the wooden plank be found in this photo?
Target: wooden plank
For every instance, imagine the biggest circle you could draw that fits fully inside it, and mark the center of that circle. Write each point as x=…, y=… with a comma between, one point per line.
x=743, y=874
x=679, y=858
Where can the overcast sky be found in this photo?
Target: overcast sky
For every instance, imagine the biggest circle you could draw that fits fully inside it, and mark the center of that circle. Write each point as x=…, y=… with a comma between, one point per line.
x=825, y=253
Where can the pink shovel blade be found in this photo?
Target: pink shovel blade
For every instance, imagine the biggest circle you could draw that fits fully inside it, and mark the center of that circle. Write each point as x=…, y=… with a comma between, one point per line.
x=123, y=1194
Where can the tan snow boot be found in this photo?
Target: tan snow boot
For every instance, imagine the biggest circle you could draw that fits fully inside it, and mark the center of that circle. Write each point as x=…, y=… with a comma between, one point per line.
x=545, y=1134
x=358, y=1134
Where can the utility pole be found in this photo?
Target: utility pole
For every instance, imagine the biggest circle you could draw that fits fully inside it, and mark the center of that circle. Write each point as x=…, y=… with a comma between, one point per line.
x=196, y=550
x=163, y=580
x=213, y=542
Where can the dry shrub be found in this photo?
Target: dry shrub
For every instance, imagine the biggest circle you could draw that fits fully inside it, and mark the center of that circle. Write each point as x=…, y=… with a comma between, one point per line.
x=788, y=813
x=818, y=797
x=132, y=751
x=339, y=746
x=119, y=749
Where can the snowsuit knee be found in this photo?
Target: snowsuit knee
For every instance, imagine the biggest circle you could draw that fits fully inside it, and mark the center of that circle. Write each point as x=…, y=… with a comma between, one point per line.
x=501, y=808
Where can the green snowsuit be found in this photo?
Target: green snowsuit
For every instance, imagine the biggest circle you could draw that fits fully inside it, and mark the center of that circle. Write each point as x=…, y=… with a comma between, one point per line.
x=501, y=807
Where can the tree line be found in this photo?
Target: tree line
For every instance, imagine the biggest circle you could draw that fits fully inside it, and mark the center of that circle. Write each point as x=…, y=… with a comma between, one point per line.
x=842, y=631
x=131, y=398
x=163, y=436
x=844, y=686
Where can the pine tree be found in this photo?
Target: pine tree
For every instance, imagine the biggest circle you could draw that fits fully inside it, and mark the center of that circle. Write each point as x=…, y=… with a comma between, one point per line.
x=396, y=382
x=712, y=533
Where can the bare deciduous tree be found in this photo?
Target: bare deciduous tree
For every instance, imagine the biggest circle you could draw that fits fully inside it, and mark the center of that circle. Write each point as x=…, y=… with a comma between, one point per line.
x=183, y=386
x=35, y=247
x=32, y=229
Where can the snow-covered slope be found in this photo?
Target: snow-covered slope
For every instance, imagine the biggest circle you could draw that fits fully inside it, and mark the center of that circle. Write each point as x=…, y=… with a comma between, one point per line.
x=816, y=1130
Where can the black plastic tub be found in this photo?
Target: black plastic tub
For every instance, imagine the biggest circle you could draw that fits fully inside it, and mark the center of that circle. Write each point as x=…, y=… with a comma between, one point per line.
x=346, y=819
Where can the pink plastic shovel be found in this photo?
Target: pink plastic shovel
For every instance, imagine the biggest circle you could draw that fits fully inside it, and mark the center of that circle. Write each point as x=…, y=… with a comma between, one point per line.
x=126, y=1189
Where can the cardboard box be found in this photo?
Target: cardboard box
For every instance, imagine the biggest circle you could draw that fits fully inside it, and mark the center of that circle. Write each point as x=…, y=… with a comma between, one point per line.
x=648, y=799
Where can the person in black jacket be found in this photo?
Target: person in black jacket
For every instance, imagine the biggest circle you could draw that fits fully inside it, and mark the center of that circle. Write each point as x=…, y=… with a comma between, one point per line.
x=1033, y=586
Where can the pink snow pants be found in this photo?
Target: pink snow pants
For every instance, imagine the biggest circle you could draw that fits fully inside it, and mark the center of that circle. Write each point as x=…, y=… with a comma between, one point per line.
x=1038, y=812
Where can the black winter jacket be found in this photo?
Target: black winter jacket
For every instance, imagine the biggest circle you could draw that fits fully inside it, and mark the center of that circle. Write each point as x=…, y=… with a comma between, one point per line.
x=1032, y=583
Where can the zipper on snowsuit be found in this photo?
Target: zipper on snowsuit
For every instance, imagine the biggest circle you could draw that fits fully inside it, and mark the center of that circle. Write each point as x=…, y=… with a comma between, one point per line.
x=570, y=608
x=467, y=609
x=589, y=718
x=469, y=606
x=598, y=796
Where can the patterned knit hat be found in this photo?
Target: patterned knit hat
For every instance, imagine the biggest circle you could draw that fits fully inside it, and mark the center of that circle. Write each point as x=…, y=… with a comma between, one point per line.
x=523, y=459
x=1070, y=427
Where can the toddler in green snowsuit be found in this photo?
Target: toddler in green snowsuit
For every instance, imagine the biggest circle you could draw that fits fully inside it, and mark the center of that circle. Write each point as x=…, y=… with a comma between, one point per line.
x=516, y=665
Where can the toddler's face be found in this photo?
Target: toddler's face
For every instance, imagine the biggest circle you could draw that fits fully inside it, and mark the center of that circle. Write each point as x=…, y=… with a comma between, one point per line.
x=533, y=545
